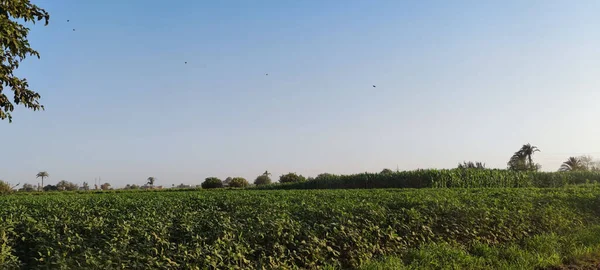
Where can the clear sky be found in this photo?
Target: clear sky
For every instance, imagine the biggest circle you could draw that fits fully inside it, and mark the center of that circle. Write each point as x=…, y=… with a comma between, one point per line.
x=456, y=80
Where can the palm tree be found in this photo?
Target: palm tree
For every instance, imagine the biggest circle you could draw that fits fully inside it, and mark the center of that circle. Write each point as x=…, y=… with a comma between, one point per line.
x=43, y=175
x=572, y=164
x=527, y=151
x=267, y=173
x=151, y=181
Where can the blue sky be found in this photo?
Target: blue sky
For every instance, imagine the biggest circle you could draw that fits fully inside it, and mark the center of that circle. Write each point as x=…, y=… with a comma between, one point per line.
x=456, y=80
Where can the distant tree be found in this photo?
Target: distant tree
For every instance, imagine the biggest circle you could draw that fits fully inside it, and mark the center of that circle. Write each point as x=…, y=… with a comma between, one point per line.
x=43, y=175
x=589, y=163
x=522, y=160
x=151, y=180
x=85, y=186
x=65, y=185
x=324, y=176
x=15, y=48
x=134, y=186
x=471, y=165
x=386, y=171
x=291, y=178
x=263, y=179
x=212, y=182
x=105, y=186
x=572, y=164
x=5, y=187
x=50, y=188
x=227, y=181
x=238, y=182
x=27, y=188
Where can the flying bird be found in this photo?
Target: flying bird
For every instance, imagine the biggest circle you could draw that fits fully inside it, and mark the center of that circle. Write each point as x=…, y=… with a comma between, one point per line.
x=267, y=74
x=73, y=29
x=186, y=62
x=374, y=86
x=67, y=20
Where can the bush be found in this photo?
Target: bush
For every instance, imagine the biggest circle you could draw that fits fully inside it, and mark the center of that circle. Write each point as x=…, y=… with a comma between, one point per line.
x=212, y=182
x=262, y=180
x=239, y=182
x=4, y=187
x=291, y=178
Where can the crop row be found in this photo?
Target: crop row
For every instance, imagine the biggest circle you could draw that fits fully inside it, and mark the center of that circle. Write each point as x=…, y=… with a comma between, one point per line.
x=453, y=178
x=247, y=229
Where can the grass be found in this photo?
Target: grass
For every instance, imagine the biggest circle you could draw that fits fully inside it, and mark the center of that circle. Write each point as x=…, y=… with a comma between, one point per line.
x=546, y=251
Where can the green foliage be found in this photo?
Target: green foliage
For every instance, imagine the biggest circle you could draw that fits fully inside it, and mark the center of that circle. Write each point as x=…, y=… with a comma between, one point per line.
x=538, y=252
x=65, y=185
x=291, y=178
x=15, y=48
x=386, y=171
x=212, y=182
x=262, y=180
x=27, y=188
x=134, y=186
x=471, y=165
x=454, y=178
x=239, y=182
x=105, y=186
x=522, y=160
x=4, y=187
x=253, y=229
x=50, y=188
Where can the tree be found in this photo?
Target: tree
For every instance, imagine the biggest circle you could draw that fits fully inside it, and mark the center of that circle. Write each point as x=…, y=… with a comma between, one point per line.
x=386, y=171
x=522, y=160
x=151, y=180
x=65, y=185
x=50, y=188
x=134, y=186
x=212, y=182
x=85, y=186
x=105, y=186
x=471, y=165
x=43, y=175
x=291, y=178
x=262, y=180
x=572, y=164
x=227, y=181
x=239, y=182
x=15, y=48
x=27, y=188
x=4, y=187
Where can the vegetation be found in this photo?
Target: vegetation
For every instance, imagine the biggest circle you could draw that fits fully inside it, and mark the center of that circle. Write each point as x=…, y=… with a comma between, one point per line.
x=42, y=175
x=65, y=185
x=15, y=48
x=263, y=179
x=27, y=188
x=453, y=178
x=522, y=160
x=239, y=182
x=240, y=229
x=4, y=187
x=291, y=178
x=212, y=182
x=471, y=165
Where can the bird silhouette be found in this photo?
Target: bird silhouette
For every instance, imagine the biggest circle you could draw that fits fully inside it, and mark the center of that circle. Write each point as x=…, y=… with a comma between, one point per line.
x=374, y=86
x=267, y=74
x=186, y=62
x=73, y=29
x=67, y=20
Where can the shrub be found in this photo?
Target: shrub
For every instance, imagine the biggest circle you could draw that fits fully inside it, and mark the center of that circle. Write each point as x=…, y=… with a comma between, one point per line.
x=291, y=178
x=239, y=182
x=212, y=182
x=262, y=180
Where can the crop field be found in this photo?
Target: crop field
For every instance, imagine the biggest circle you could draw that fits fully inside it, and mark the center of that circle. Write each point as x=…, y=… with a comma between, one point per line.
x=276, y=229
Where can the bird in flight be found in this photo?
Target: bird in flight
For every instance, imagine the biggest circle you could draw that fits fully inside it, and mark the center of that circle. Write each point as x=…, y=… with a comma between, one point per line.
x=67, y=20
x=266, y=74
x=374, y=86
x=185, y=62
x=73, y=29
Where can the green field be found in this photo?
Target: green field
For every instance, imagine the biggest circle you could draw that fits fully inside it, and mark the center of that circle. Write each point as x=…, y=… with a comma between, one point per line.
x=282, y=229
